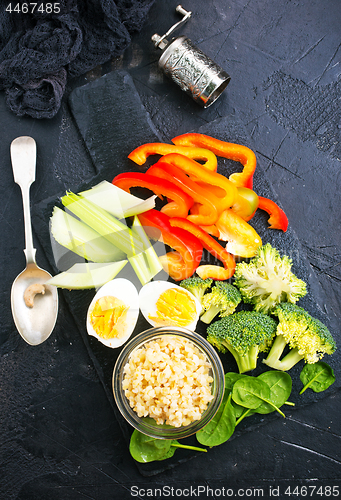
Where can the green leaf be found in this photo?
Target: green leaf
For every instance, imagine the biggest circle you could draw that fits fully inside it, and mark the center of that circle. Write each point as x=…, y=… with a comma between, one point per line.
x=230, y=379
x=318, y=376
x=222, y=425
x=147, y=449
x=250, y=392
x=280, y=385
x=170, y=452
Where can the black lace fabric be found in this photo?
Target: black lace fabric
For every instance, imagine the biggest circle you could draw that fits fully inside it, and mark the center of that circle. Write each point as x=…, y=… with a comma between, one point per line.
x=41, y=50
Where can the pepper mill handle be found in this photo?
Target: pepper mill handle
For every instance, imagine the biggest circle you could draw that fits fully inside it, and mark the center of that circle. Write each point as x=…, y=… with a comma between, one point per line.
x=161, y=41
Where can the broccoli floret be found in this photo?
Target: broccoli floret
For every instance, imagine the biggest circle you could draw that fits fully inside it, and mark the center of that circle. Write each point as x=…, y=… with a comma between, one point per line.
x=245, y=334
x=267, y=280
x=307, y=338
x=222, y=299
x=197, y=286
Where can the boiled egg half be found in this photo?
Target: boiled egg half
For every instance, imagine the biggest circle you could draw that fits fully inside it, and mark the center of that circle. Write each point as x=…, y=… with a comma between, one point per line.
x=113, y=312
x=164, y=304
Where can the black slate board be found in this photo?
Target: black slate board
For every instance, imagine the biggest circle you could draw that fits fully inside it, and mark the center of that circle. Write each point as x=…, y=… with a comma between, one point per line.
x=112, y=121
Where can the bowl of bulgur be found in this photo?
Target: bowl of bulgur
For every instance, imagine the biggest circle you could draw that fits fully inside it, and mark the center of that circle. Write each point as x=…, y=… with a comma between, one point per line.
x=168, y=382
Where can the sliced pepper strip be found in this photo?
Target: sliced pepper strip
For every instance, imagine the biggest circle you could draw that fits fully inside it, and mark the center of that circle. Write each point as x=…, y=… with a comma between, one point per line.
x=182, y=263
x=217, y=273
x=209, y=214
x=140, y=154
x=222, y=188
x=277, y=219
x=181, y=202
x=246, y=203
x=212, y=229
x=242, y=239
x=208, y=243
x=228, y=150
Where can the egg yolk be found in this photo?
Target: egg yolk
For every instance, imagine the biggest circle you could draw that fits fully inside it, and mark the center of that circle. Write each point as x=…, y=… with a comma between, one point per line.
x=174, y=307
x=108, y=317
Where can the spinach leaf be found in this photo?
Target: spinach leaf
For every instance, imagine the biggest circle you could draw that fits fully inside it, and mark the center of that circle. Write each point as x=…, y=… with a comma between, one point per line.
x=230, y=379
x=147, y=449
x=170, y=452
x=251, y=393
x=222, y=425
x=317, y=377
x=280, y=385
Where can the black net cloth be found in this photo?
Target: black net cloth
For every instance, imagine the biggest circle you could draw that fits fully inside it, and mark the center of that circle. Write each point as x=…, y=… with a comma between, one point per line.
x=40, y=51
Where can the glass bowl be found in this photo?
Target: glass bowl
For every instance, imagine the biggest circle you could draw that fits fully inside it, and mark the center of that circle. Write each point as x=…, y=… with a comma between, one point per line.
x=148, y=425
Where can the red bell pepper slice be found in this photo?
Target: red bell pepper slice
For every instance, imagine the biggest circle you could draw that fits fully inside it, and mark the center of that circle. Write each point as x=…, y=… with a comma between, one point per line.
x=181, y=202
x=228, y=150
x=209, y=244
x=277, y=219
x=140, y=154
x=198, y=194
x=181, y=263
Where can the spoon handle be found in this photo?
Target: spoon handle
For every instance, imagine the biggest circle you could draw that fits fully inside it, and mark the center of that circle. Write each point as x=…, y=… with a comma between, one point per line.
x=23, y=157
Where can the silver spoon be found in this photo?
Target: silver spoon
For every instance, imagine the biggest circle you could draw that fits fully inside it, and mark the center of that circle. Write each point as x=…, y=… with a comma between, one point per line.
x=34, y=318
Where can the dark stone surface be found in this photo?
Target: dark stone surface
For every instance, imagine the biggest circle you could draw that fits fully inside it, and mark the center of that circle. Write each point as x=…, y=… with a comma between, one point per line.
x=59, y=434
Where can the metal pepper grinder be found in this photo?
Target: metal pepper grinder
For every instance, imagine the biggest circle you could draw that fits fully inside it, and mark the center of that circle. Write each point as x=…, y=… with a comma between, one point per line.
x=194, y=72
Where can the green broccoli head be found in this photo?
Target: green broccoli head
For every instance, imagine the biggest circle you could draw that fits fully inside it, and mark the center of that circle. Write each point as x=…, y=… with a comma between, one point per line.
x=307, y=337
x=222, y=299
x=197, y=286
x=267, y=280
x=245, y=334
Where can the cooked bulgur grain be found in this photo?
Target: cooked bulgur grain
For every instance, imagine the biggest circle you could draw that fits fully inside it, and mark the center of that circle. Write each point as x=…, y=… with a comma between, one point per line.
x=169, y=380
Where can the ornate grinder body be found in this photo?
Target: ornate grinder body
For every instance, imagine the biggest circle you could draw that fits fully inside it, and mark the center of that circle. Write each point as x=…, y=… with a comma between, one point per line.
x=194, y=72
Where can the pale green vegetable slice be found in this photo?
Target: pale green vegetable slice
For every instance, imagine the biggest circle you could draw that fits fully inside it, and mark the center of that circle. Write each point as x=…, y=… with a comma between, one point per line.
x=81, y=239
x=104, y=223
x=153, y=261
x=116, y=201
x=87, y=275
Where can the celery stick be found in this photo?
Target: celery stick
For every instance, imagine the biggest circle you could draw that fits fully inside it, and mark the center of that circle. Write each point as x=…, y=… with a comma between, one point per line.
x=78, y=237
x=145, y=264
x=105, y=224
x=140, y=265
x=116, y=201
x=153, y=260
x=87, y=275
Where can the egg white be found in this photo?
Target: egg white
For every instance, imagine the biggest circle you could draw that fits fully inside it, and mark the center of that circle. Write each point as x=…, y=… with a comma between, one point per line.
x=149, y=295
x=124, y=290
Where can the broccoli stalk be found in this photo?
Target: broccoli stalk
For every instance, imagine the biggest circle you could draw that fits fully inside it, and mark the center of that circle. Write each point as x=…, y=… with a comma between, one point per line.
x=222, y=299
x=267, y=280
x=306, y=337
x=276, y=351
x=245, y=362
x=244, y=334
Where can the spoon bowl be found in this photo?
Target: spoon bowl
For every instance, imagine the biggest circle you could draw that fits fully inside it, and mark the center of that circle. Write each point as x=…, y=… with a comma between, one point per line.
x=35, y=324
